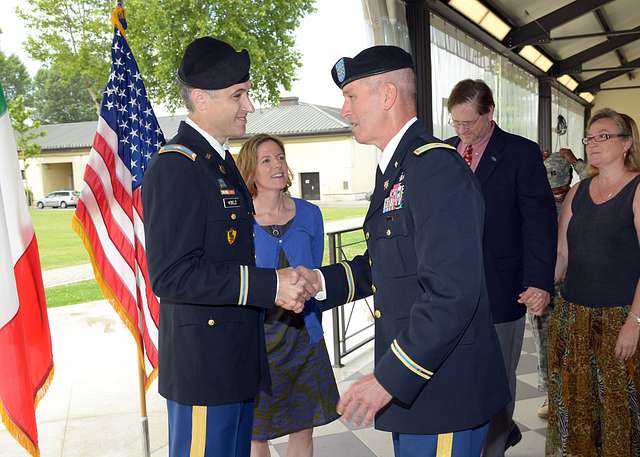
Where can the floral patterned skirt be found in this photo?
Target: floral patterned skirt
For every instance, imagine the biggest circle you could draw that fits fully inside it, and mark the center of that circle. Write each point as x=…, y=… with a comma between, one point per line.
x=593, y=396
x=304, y=392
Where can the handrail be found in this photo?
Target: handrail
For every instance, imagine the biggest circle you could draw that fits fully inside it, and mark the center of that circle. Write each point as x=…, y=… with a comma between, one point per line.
x=341, y=337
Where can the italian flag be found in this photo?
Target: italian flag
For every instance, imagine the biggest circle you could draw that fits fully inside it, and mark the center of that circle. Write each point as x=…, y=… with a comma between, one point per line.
x=26, y=361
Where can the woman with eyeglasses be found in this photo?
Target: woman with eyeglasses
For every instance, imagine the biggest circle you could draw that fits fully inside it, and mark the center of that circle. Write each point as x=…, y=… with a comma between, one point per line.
x=594, y=365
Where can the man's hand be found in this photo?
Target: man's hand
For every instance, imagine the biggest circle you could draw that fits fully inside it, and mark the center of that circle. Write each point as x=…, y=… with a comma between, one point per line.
x=363, y=400
x=536, y=300
x=291, y=290
x=313, y=282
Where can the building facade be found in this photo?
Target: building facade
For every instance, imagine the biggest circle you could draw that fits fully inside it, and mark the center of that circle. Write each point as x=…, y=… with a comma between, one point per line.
x=326, y=161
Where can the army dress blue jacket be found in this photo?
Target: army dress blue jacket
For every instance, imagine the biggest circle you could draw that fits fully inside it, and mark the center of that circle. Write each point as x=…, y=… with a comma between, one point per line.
x=436, y=350
x=198, y=222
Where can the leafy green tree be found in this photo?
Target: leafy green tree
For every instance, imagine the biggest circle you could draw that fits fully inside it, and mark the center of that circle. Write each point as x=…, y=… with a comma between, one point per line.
x=73, y=35
x=59, y=97
x=13, y=76
x=77, y=36
x=26, y=129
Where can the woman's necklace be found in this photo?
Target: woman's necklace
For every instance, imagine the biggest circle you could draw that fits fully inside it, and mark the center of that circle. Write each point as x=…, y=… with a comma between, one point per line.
x=601, y=192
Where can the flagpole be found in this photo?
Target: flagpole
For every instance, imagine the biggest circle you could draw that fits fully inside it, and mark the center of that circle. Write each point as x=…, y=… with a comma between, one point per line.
x=144, y=419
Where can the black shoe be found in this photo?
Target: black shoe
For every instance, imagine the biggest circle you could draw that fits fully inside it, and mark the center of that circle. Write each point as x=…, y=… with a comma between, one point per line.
x=514, y=438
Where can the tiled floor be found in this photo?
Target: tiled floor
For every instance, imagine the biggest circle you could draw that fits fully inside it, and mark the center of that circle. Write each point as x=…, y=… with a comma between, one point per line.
x=91, y=409
x=339, y=439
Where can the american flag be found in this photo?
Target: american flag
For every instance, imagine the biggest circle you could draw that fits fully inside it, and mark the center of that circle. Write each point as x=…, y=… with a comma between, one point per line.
x=108, y=217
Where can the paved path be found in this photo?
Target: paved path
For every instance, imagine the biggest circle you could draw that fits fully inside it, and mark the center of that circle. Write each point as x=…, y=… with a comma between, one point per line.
x=67, y=275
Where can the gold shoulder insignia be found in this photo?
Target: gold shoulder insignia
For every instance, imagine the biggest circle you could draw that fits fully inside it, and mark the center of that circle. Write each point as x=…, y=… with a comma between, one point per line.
x=429, y=146
x=179, y=149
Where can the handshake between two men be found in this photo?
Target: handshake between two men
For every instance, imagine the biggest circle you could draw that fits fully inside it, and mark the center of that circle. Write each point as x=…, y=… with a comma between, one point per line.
x=296, y=286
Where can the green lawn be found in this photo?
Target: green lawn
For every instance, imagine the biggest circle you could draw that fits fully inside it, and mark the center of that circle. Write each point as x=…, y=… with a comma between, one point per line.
x=70, y=294
x=353, y=242
x=333, y=214
x=60, y=247
x=58, y=243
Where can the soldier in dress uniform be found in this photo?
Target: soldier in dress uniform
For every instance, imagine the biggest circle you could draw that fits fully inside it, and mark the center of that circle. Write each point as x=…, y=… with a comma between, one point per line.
x=439, y=375
x=199, y=239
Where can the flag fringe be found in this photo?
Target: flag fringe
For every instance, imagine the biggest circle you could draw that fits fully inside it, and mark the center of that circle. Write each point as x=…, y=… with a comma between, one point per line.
x=14, y=429
x=115, y=303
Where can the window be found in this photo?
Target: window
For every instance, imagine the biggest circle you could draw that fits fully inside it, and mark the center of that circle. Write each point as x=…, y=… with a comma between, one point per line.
x=456, y=56
x=573, y=113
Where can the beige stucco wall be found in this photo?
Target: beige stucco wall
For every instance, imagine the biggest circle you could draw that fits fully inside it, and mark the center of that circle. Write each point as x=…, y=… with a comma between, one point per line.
x=338, y=159
x=56, y=170
x=625, y=101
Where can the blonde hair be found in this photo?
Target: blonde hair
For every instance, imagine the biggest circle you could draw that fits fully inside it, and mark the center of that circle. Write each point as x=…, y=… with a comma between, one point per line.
x=627, y=127
x=248, y=161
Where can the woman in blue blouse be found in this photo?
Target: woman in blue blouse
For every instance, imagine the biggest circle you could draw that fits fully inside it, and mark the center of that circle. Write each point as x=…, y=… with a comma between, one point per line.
x=288, y=232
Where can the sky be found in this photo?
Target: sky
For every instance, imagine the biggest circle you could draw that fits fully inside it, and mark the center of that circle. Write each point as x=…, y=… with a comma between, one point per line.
x=336, y=29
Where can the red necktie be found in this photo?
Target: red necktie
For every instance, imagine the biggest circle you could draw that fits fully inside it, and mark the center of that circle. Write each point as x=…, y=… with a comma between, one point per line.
x=468, y=154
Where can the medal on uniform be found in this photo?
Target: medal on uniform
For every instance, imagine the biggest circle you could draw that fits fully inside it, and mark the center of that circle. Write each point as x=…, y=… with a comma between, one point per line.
x=395, y=199
x=386, y=184
x=225, y=189
x=231, y=235
x=222, y=170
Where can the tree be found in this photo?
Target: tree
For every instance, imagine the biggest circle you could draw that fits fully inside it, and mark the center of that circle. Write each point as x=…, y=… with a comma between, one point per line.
x=76, y=36
x=60, y=97
x=13, y=76
x=26, y=129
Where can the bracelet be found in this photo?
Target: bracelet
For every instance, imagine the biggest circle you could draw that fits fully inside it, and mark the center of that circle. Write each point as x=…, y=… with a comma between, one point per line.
x=635, y=316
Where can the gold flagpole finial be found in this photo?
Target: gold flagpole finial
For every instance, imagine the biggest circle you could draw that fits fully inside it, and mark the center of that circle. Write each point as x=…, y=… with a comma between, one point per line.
x=116, y=14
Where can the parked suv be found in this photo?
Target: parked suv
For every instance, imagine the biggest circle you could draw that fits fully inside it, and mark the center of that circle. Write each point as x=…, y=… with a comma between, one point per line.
x=59, y=199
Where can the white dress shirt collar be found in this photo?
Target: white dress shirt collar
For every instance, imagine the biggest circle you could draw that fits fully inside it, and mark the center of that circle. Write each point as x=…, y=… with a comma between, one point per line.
x=220, y=149
x=392, y=145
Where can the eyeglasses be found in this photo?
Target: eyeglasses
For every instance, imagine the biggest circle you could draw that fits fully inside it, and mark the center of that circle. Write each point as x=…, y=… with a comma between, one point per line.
x=602, y=137
x=463, y=124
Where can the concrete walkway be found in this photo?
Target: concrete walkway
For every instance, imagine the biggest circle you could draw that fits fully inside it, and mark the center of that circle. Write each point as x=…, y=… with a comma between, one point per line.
x=67, y=275
x=92, y=406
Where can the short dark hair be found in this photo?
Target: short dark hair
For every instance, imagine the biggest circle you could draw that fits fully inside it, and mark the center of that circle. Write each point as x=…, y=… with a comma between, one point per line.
x=474, y=91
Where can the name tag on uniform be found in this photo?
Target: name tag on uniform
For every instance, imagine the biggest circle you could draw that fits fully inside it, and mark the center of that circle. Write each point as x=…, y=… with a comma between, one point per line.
x=231, y=202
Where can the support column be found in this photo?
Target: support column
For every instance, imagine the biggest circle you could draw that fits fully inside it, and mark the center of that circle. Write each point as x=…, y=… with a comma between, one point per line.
x=544, y=114
x=420, y=37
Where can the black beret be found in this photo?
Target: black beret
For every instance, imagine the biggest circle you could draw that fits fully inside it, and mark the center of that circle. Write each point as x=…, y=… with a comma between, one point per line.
x=371, y=61
x=212, y=64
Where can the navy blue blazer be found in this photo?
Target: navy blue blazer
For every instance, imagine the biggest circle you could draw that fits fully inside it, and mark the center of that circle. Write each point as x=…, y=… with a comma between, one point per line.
x=521, y=229
x=436, y=349
x=198, y=224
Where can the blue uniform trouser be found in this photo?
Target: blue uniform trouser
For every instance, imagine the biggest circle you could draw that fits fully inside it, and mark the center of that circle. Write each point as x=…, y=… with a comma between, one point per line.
x=465, y=443
x=210, y=431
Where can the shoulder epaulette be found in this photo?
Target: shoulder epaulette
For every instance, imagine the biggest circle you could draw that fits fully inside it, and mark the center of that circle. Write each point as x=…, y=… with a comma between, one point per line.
x=179, y=149
x=429, y=146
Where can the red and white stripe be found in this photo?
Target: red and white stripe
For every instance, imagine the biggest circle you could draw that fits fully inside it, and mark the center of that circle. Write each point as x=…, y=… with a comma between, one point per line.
x=109, y=219
x=26, y=360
